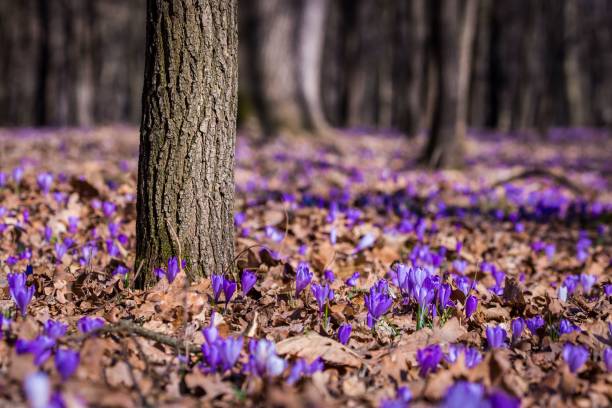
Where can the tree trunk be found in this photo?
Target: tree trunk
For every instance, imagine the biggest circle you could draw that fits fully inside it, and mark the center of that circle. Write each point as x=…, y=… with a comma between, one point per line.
x=285, y=47
x=575, y=75
x=187, y=137
x=465, y=68
x=410, y=29
x=444, y=148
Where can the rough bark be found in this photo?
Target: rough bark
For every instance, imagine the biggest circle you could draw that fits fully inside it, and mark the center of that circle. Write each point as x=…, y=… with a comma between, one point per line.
x=444, y=148
x=187, y=137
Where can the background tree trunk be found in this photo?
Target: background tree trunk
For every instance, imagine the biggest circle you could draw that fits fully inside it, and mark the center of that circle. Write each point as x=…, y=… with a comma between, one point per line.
x=187, y=137
x=443, y=148
x=285, y=46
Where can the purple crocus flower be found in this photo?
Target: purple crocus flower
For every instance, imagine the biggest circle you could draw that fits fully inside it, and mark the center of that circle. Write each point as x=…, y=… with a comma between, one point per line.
x=344, y=333
x=88, y=324
x=352, y=280
x=321, y=294
x=464, y=394
x=472, y=356
x=303, y=276
x=460, y=265
x=565, y=327
x=471, y=304
x=229, y=287
x=108, y=209
x=377, y=303
x=607, y=358
x=575, y=356
x=66, y=362
x=429, y=358
x=55, y=329
x=518, y=325
x=608, y=290
x=499, y=399
x=112, y=249
x=60, y=251
x=444, y=292
x=41, y=348
x=17, y=175
x=229, y=351
x=73, y=224
x=20, y=292
x=217, y=286
x=301, y=369
x=534, y=323
x=4, y=324
x=328, y=274
x=2, y=179
x=587, y=281
x=550, y=250
x=247, y=281
x=496, y=336
x=571, y=282
x=120, y=270
x=173, y=269
x=463, y=283
x=44, y=181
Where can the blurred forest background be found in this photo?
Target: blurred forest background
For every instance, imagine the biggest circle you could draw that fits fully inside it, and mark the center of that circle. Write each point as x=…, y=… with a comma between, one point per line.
x=533, y=64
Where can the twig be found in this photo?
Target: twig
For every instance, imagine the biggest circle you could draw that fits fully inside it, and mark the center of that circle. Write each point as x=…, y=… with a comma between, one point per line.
x=540, y=172
x=131, y=328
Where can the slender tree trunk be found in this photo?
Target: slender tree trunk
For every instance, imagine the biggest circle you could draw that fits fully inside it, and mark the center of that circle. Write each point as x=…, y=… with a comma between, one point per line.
x=408, y=65
x=285, y=47
x=575, y=75
x=187, y=137
x=444, y=148
x=465, y=69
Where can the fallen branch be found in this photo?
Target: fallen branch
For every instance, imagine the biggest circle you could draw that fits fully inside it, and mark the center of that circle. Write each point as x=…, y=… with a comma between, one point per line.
x=131, y=328
x=540, y=172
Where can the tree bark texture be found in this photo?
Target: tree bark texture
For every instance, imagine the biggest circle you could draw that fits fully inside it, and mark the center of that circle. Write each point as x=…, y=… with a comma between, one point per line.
x=187, y=137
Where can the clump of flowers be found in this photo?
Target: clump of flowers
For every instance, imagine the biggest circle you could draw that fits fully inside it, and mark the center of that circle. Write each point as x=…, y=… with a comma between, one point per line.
x=471, y=355
x=171, y=272
x=219, y=354
x=301, y=369
x=263, y=360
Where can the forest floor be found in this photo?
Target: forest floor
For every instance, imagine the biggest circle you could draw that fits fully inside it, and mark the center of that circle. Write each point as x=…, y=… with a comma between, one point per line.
x=530, y=255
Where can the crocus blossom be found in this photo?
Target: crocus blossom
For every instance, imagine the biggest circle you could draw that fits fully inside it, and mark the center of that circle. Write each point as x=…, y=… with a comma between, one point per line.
x=496, y=336
x=344, y=333
x=575, y=356
x=66, y=362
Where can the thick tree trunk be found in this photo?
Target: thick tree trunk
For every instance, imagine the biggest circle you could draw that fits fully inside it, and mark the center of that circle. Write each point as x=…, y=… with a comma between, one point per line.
x=444, y=148
x=187, y=137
